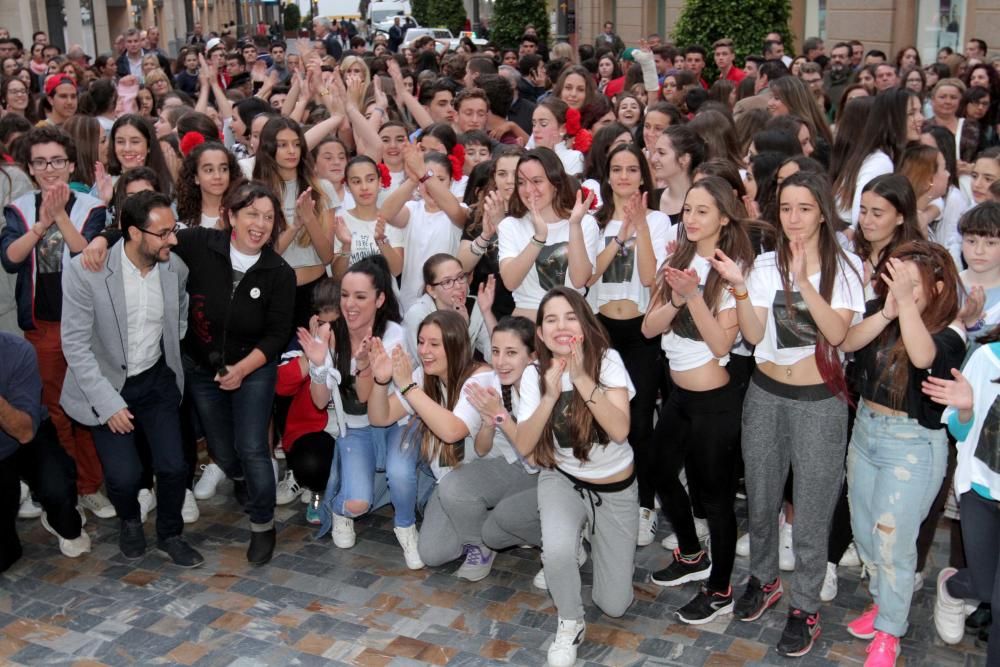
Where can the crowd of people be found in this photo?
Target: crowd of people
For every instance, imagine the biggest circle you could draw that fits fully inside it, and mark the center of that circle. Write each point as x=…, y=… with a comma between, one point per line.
x=524, y=296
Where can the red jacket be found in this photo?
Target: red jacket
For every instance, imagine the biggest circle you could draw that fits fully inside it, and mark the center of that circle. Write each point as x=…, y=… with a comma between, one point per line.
x=303, y=416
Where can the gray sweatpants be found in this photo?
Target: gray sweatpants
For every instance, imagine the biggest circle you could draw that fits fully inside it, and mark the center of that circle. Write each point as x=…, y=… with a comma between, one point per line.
x=614, y=521
x=807, y=428
x=462, y=502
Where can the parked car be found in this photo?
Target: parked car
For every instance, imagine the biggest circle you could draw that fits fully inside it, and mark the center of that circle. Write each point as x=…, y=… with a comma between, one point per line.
x=443, y=36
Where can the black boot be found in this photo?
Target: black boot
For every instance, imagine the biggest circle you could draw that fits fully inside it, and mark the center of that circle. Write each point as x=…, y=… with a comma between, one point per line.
x=261, y=546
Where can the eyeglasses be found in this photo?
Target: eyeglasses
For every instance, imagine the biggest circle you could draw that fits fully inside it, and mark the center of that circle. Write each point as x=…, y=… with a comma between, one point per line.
x=41, y=164
x=448, y=283
x=161, y=235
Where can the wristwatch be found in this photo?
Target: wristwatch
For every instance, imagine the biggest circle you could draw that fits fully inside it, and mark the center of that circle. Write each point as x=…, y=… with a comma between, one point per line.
x=499, y=419
x=424, y=178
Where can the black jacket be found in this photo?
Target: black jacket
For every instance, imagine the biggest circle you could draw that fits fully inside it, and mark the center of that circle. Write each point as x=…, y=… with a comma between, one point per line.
x=226, y=325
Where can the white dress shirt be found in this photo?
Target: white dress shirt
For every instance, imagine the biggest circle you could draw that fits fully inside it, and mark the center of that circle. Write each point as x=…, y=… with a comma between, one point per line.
x=144, y=305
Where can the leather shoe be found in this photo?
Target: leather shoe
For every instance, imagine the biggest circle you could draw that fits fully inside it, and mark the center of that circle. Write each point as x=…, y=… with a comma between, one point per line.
x=261, y=547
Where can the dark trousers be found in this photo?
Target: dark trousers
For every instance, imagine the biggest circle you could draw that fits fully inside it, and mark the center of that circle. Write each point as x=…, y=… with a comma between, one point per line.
x=979, y=580
x=154, y=401
x=310, y=460
x=701, y=429
x=235, y=424
x=51, y=474
x=642, y=357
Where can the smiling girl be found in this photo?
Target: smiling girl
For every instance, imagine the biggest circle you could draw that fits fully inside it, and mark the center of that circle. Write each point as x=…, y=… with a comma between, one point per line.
x=207, y=174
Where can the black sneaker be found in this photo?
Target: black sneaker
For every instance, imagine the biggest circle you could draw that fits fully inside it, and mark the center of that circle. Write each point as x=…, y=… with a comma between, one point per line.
x=981, y=618
x=131, y=539
x=683, y=570
x=706, y=606
x=757, y=599
x=180, y=552
x=261, y=546
x=801, y=632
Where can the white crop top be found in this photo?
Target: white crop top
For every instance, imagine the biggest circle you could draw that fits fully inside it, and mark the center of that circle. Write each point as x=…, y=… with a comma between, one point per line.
x=683, y=344
x=551, y=267
x=621, y=279
x=791, y=337
x=355, y=412
x=604, y=460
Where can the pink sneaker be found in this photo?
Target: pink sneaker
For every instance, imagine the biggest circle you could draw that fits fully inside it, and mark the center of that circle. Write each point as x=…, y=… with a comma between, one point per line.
x=883, y=650
x=863, y=627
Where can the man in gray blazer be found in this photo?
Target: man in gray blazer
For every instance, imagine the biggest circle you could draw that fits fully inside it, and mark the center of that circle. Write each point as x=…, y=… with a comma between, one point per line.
x=121, y=333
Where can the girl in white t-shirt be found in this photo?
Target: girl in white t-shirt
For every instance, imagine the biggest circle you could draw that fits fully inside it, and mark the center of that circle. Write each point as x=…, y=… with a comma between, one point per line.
x=796, y=308
x=330, y=158
x=700, y=420
x=573, y=417
x=431, y=225
x=549, y=239
x=633, y=245
x=554, y=126
x=368, y=309
x=205, y=177
x=359, y=231
x=440, y=438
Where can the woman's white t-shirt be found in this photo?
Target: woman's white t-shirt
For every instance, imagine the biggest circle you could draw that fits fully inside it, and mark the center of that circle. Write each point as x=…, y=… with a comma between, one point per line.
x=790, y=337
x=209, y=221
x=551, y=266
x=683, y=344
x=502, y=447
x=604, y=460
x=426, y=234
x=363, y=237
x=621, y=279
x=356, y=413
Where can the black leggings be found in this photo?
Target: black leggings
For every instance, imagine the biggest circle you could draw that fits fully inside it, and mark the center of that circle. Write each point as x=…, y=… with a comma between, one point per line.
x=310, y=460
x=702, y=430
x=642, y=360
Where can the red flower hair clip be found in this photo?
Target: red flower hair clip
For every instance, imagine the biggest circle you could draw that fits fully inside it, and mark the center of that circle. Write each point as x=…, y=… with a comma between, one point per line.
x=457, y=159
x=572, y=122
x=384, y=175
x=190, y=141
x=582, y=141
x=586, y=192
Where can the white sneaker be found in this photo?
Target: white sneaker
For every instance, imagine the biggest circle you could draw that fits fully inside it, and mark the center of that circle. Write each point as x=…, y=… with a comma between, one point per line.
x=569, y=635
x=28, y=509
x=408, y=540
x=306, y=497
x=147, y=503
x=701, y=527
x=786, y=556
x=211, y=475
x=539, y=580
x=288, y=489
x=189, y=510
x=647, y=527
x=851, y=557
x=279, y=452
x=949, y=612
x=70, y=548
x=829, y=590
x=343, y=532
x=743, y=546
x=98, y=504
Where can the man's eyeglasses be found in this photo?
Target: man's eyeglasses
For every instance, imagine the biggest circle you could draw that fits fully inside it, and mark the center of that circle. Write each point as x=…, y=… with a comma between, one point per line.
x=161, y=235
x=448, y=283
x=41, y=164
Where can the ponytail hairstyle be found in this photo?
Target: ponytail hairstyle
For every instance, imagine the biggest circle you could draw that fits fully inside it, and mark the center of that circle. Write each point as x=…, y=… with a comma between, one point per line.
x=584, y=431
x=939, y=280
x=445, y=391
x=686, y=142
x=733, y=240
x=834, y=263
x=523, y=328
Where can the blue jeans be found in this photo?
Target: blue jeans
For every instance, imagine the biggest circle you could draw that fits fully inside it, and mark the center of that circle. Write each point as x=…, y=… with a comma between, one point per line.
x=895, y=467
x=235, y=424
x=362, y=452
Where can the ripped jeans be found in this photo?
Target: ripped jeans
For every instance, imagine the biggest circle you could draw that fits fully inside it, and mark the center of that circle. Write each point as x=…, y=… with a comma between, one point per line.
x=894, y=470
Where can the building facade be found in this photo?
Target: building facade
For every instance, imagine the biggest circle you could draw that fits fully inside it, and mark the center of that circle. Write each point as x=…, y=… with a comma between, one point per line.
x=889, y=25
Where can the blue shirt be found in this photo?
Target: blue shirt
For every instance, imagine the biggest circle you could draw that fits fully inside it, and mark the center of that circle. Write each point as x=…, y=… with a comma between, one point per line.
x=20, y=385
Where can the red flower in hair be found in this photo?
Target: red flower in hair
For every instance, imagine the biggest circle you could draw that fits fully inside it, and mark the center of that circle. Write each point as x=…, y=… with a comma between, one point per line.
x=586, y=192
x=384, y=175
x=582, y=141
x=572, y=122
x=457, y=159
x=190, y=140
